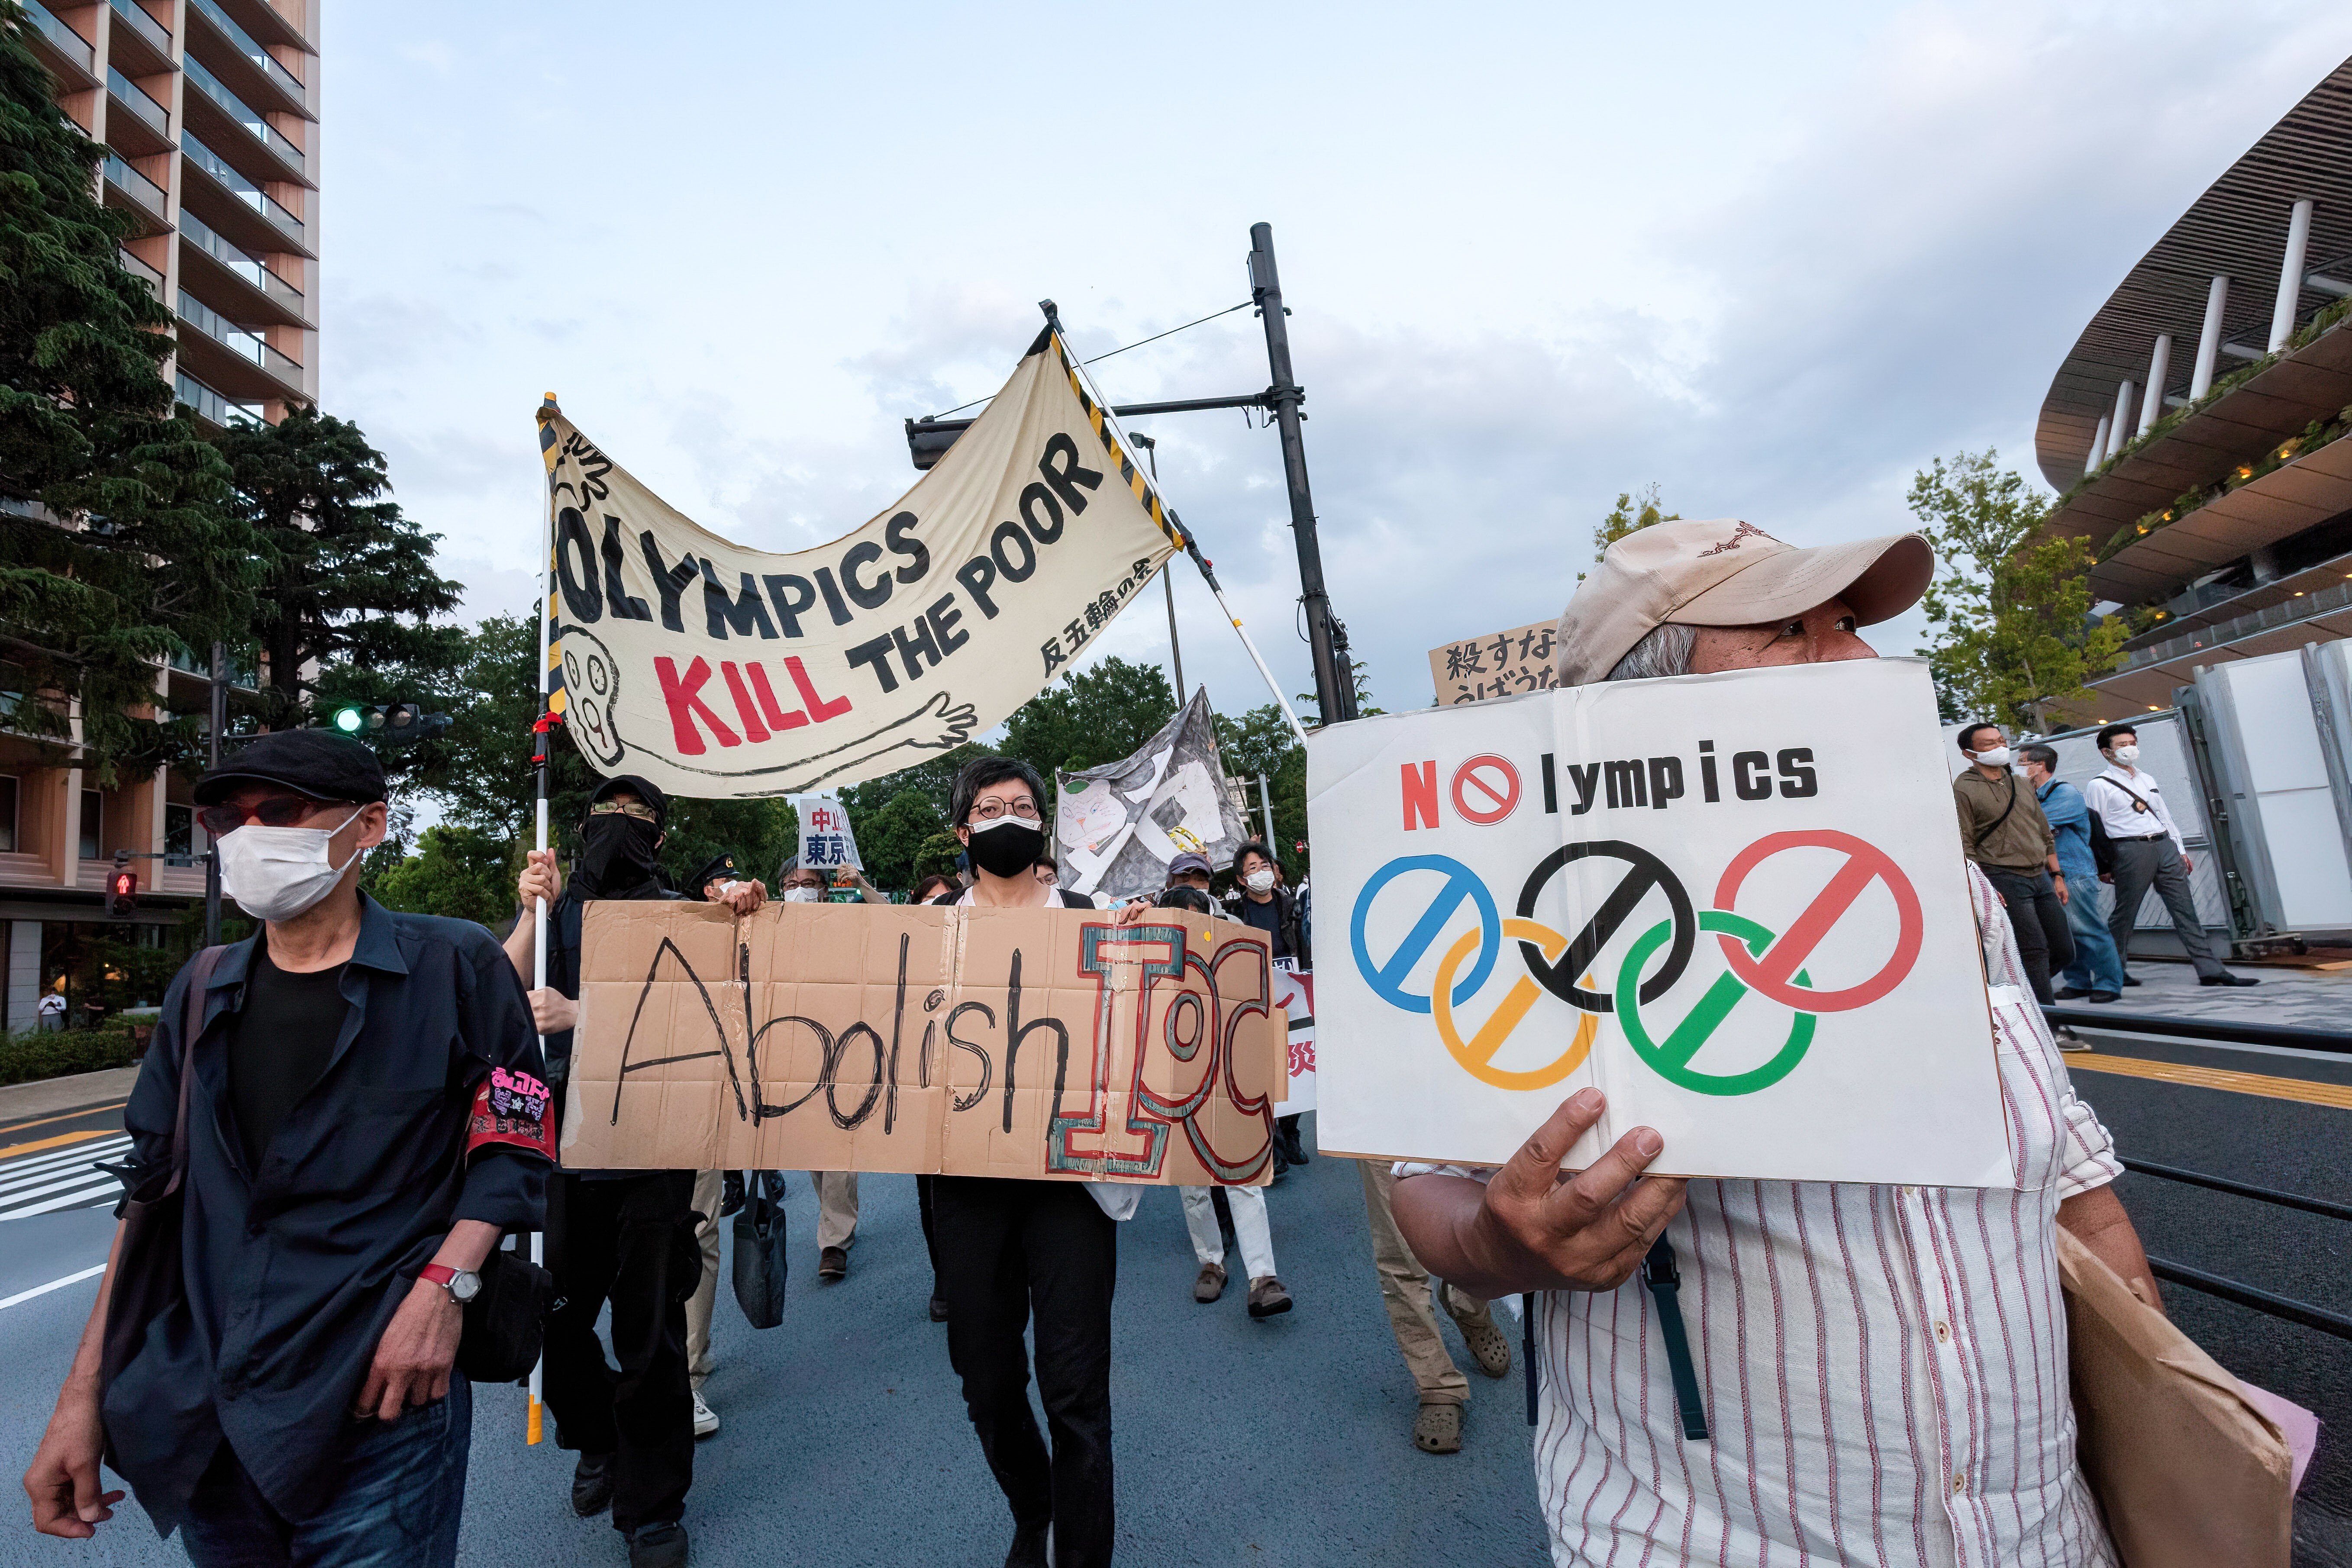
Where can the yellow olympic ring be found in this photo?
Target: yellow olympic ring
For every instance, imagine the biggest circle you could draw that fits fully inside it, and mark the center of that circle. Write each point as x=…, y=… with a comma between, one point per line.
x=1479, y=1050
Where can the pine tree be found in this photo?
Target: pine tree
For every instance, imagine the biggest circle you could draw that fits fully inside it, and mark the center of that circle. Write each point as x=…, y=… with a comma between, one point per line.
x=114, y=550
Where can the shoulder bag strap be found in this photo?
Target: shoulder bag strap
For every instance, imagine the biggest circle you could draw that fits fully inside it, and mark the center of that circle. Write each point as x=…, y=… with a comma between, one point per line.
x=192, y=1022
x=1990, y=829
x=1664, y=1280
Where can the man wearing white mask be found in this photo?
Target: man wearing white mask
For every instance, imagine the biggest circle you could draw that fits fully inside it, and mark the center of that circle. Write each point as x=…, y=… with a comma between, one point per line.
x=360, y=1116
x=2126, y=804
x=2003, y=831
x=1263, y=902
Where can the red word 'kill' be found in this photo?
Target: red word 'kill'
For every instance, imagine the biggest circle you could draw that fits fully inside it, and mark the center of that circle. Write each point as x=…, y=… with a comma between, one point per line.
x=755, y=702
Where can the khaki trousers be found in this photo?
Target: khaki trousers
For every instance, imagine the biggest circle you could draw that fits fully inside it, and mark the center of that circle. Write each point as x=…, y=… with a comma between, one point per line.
x=836, y=1206
x=1404, y=1289
x=706, y=1294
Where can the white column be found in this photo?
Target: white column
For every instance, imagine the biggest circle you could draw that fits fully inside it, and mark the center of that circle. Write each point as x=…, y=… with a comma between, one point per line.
x=2208, y=336
x=2160, y=367
x=2119, y=433
x=2298, y=246
x=2098, y=448
x=22, y=940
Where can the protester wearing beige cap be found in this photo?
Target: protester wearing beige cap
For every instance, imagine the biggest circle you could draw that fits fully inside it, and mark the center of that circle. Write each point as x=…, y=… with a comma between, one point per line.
x=1854, y=1375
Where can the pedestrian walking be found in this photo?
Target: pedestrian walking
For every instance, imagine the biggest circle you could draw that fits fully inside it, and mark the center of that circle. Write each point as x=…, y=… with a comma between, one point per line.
x=1261, y=900
x=2148, y=853
x=2003, y=831
x=622, y=1239
x=2097, y=973
x=51, y=1009
x=1411, y=1298
x=346, y=1171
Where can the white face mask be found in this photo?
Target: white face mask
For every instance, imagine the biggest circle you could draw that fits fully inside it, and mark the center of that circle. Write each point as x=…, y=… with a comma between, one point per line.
x=1999, y=757
x=1259, y=881
x=803, y=895
x=2125, y=752
x=276, y=873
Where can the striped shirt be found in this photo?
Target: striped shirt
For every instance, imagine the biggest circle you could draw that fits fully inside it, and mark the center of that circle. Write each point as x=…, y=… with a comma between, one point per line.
x=1883, y=1369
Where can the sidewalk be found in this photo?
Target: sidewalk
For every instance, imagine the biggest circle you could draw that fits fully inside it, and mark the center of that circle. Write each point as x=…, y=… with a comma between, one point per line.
x=20, y=1100
x=2286, y=998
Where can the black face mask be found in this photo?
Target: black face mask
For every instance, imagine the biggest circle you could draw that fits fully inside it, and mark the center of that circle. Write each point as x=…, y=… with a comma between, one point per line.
x=616, y=856
x=1007, y=846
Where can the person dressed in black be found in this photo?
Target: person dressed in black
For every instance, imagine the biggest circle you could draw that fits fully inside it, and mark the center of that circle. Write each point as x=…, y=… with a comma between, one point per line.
x=1009, y=1249
x=622, y=1237
x=1261, y=900
x=363, y=1119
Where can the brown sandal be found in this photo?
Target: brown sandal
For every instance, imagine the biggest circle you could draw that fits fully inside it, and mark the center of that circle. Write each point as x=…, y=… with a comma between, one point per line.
x=1438, y=1429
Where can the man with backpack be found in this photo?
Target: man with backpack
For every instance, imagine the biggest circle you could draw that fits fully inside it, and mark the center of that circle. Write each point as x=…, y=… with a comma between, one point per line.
x=2003, y=831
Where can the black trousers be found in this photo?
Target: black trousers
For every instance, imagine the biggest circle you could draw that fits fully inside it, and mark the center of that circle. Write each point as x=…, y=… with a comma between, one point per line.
x=1004, y=1249
x=2044, y=941
x=2155, y=863
x=631, y=1242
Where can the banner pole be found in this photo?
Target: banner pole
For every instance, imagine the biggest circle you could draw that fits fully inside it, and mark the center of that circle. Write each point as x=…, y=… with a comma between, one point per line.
x=542, y=733
x=1191, y=547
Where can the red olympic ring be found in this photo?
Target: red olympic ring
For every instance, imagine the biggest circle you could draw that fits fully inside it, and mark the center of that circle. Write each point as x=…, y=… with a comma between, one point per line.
x=1769, y=972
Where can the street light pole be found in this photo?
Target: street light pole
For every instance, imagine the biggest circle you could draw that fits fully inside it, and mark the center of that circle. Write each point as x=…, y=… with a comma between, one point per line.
x=1167, y=578
x=219, y=718
x=1335, y=687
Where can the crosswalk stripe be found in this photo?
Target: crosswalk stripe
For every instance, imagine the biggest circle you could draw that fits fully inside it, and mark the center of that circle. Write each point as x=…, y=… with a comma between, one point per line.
x=37, y=1145
x=6, y=1302
x=76, y=1151
x=86, y=1196
x=80, y=1181
x=17, y=1173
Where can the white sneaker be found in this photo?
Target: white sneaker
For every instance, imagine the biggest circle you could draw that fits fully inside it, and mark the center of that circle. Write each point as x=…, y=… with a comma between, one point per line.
x=706, y=1420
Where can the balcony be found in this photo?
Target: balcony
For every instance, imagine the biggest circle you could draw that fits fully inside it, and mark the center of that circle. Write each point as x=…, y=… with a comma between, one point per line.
x=62, y=41
x=140, y=270
x=132, y=15
x=138, y=190
x=267, y=80
x=225, y=271
x=284, y=374
x=212, y=100
x=129, y=111
x=240, y=202
x=2313, y=488
x=210, y=405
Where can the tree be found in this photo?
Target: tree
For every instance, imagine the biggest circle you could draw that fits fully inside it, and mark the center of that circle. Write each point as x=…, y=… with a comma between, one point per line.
x=461, y=872
x=891, y=840
x=1100, y=714
x=349, y=580
x=2011, y=629
x=1260, y=745
x=1632, y=513
x=135, y=560
x=1310, y=707
x=938, y=854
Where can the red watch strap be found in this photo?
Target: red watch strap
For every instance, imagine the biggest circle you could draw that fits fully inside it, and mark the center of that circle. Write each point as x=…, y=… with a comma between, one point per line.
x=441, y=1274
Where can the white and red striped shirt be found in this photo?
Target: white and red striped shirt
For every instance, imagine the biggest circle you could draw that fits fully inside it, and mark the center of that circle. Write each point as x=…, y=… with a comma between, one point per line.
x=1883, y=1369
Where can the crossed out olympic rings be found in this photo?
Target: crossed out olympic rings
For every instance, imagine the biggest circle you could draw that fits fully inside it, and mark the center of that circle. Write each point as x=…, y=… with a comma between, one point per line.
x=1755, y=958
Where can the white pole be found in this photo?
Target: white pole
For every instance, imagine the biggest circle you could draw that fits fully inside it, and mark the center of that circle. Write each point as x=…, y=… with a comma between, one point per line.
x=2098, y=448
x=2119, y=433
x=543, y=741
x=2290, y=290
x=2208, y=336
x=2159, y=368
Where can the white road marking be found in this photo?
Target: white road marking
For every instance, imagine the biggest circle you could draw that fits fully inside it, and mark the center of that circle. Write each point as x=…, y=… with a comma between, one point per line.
x=22, y=1296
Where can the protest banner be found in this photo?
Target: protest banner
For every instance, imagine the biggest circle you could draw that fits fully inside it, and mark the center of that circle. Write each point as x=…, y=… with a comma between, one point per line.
x=1039, y=1044
x=1294, y=993
x=1500, y=664
x=722, y=672
x=827, y=842
x=1116, y=827
x=1734, y=903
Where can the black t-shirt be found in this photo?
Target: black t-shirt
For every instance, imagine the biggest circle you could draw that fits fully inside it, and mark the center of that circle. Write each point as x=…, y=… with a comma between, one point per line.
x=279, y=1045
x=1267, y=918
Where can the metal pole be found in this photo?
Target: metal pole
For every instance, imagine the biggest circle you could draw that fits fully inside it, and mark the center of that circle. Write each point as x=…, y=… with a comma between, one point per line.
x=1167, y=578
x=1265, y=809
x=1335, y=688
x=219, y=717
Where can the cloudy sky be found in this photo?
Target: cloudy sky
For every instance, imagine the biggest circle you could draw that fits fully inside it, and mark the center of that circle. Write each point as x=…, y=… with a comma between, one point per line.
x=1773, y=258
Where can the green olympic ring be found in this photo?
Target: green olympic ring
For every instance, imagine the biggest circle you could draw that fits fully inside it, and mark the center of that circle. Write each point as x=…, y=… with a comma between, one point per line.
x=1671, y=1061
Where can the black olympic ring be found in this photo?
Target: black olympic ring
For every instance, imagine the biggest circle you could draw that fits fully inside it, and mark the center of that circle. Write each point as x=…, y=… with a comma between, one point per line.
x=1648, y=872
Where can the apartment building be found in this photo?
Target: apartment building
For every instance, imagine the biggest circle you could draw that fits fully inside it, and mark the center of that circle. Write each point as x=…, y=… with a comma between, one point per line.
x=208, y=111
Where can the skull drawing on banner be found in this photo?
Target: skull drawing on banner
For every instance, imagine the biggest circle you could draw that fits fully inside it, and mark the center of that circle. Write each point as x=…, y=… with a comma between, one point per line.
x=591, y=684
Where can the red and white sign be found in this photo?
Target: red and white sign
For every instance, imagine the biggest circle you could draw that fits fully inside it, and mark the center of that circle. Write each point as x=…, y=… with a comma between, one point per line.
x=1294, y=993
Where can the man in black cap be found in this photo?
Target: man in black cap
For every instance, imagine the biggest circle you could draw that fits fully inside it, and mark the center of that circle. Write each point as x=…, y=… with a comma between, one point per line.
x=622, y=1237
x=363, y=1119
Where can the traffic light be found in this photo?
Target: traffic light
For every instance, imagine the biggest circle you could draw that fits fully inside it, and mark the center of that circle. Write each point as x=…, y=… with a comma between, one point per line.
x=395, y=725
x=928, y=440
x=121, y=893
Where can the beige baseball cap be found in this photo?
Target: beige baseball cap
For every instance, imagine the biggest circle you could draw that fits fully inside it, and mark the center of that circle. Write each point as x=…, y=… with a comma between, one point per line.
x=1727, y=573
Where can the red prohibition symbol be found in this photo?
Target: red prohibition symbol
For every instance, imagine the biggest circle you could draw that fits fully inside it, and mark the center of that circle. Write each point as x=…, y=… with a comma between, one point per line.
x=1865, y=863
x=1486, y=789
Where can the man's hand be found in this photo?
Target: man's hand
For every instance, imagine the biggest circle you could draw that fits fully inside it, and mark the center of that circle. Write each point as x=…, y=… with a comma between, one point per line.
x=745, y=897
x=2108, y=877
x=414, y=1357
x=2060, y=883
x=1590, y=1232
x=540, y=878
x=2187, y=864
x=552, y=1012
x=62, y=1480
x=1135, y=912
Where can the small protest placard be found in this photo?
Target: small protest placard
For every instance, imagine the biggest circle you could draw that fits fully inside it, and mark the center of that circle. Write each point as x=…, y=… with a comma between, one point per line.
x=1500, y=664
x=1294, y=993
x=1735, y=903
x=1043, y=1044
x=827, y=841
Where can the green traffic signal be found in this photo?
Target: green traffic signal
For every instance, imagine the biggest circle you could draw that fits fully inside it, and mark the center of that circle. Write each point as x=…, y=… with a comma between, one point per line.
x=350, y=719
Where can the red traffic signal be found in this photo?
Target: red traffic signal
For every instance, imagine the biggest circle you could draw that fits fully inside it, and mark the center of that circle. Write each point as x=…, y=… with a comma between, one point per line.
x=122, y=893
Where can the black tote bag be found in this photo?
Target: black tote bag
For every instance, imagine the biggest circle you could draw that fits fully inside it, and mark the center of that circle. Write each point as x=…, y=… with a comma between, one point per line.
x=761, y=1262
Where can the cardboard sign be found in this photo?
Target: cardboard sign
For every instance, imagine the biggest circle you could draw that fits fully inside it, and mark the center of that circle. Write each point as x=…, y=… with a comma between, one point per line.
x=1734, y=903
x=1038, y=1044
x=827, y=841
x=1500, y=664
x=1294, y=993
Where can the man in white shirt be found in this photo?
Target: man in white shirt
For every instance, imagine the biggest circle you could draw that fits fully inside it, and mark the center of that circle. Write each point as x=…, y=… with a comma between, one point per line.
x=1881, y=1372
x=2147, y=852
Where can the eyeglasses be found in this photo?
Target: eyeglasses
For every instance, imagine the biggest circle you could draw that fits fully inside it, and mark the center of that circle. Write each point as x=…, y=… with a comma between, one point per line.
x=991, y=808
x=636, y=808
x=272, y=811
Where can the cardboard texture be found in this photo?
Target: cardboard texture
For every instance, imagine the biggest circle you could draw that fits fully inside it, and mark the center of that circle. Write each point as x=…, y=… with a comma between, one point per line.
x=2188, y=1472
x=1043, y=1044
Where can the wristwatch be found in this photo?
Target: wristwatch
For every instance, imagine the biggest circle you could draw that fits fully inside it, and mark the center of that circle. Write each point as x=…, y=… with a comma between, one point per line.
x=463, y=1284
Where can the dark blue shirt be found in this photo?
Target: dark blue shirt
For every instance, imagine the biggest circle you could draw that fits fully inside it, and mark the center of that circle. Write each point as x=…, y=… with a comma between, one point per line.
x=294, y=1270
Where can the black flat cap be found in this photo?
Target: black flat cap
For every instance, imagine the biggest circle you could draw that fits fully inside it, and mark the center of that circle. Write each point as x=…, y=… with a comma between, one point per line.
x=721, y=865
x=643, y=789
x=316, y=762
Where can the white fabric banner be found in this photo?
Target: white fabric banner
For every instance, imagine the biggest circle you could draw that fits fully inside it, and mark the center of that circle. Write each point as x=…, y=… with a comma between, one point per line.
x=720, y=672
x=1734, y=903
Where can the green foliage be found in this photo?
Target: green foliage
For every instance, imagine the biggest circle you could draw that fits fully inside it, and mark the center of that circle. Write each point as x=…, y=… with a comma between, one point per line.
x=758, y=833
x=1260, y=745
x=463, y=873
x=1100, y=714
x=154, y=566
x=1632, y=513
x=2317, y=434
x=2011, y=631
x=33, y=1058
x=1310, y=707
x=892, y=840
x=938, y=854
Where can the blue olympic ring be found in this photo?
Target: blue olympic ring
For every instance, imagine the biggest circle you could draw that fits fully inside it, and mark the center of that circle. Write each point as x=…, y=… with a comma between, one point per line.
x=1460, y=882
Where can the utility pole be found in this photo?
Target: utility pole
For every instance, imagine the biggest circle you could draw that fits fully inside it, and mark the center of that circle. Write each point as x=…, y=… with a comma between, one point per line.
x=1335, y=683
x=1167, y=578
x=211, y=758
